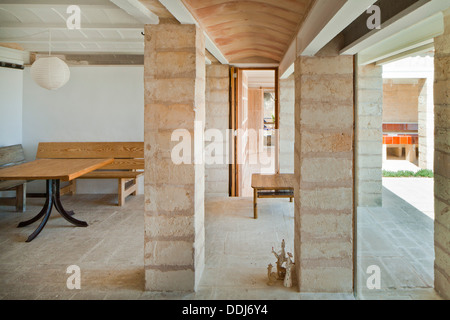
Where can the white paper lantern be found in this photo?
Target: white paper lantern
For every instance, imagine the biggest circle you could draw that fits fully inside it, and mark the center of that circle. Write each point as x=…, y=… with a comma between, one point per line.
x=50, y=73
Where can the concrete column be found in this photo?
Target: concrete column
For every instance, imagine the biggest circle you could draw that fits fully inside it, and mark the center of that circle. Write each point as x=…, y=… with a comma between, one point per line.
x=174, y=194
x=217, y=118
x=442, y=161
x=323, y=238
x=287, y=124
x=369, y=135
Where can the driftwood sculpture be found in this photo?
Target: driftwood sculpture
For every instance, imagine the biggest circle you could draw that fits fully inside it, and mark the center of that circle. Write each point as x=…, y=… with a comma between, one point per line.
x=271, y=275
x=281, y=259
x=288, y=278
x=284, y=267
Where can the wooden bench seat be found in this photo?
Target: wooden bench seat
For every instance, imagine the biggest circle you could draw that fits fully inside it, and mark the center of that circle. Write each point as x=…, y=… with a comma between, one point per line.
x=128, y=162
x=11, y=156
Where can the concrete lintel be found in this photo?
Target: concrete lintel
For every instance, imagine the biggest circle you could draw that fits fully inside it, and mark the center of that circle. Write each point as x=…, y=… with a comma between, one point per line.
x=325, y=21
x=410, y=53
x=415, y=37
x=182, y=14
x=409, y=17
x=287, y=63
x=137, y=10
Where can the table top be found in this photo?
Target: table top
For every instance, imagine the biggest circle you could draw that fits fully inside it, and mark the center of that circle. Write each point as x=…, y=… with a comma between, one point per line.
x=53, y=169
x=273, y=181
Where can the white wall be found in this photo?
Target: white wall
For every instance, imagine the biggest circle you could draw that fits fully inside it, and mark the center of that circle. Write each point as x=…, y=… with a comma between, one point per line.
x=99, y=103
x=11, y=86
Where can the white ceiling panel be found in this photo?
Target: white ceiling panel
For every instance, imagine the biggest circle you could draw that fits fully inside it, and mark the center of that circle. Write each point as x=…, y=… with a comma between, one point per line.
x=104, y=27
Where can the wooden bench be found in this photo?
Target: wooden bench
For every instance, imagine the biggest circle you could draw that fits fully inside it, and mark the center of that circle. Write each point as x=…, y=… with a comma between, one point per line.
x=272, y=186
x=128, y=162
x=11, y=156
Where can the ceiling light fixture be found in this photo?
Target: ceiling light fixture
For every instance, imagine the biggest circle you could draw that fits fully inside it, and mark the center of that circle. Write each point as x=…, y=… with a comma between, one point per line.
x=50, y=72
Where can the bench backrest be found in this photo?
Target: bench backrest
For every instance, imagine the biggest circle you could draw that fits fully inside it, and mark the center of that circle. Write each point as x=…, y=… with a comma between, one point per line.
x=11, y=155
x=127, y=155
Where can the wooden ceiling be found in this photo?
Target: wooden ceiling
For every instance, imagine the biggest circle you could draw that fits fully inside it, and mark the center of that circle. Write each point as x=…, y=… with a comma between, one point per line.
x=250, y=31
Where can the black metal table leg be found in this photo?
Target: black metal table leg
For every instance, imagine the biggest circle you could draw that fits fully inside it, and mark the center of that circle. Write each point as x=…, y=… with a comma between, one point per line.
x=58, y=196
x=53, y=198
x=66, y=215
x=47, y=212
x=44, y=210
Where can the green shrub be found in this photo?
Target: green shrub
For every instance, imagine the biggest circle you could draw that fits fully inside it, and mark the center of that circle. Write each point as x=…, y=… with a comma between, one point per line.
x=408, y=174
x=425, y=174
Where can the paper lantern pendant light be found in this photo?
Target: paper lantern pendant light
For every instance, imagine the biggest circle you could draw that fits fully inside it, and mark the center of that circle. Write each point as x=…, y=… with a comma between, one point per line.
x=50, y=73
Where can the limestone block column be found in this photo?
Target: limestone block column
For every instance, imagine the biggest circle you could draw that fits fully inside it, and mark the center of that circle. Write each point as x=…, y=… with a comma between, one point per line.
x=324, y=172
x=369, y=135
x=287, y=124
x=442, y=161
x=217, y=118
x=174, y=194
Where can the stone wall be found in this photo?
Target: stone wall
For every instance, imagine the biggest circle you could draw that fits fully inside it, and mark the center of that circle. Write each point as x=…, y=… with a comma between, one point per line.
x=324, y=107
x=426, y=120
x=401, y=100
x=217, y=117
x=369, y=136
x=287, y=124
x=442, y=161
x=174, y=79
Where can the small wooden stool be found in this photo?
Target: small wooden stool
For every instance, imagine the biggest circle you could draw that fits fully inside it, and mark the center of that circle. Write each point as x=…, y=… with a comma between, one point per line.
x=271, y=186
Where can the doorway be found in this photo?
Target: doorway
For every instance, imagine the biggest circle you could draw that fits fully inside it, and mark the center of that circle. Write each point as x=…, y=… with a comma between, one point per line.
x=254, y=119
x=395, y=241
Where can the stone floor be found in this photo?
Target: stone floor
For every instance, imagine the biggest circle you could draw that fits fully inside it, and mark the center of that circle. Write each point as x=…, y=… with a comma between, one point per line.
x=397, y=164
x=416, y=192
x=399, y=239
x=110, y=251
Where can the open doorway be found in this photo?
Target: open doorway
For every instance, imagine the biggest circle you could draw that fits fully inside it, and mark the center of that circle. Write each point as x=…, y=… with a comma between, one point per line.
x=408, y=114
x=254, y=118
x=396, y=241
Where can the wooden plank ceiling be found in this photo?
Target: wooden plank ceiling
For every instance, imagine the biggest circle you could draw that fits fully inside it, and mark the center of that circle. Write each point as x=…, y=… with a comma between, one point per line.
x=250, y=31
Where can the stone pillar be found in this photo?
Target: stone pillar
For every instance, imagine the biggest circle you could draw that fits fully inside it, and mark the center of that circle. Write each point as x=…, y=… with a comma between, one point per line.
x=369, y=135
x=174, y=194
x=324, y=118
x=217, y=118
x=442, y=161
x=287, y=124
x=426, y=121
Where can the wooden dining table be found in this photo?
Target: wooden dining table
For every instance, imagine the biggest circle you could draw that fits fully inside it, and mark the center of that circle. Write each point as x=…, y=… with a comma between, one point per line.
x=53, y=171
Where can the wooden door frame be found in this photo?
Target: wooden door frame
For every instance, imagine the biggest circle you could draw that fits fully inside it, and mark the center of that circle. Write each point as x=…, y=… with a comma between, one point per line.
x=234, y=188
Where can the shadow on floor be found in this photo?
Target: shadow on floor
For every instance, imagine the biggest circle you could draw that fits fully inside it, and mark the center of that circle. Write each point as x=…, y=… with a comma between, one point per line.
x=399, y=239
